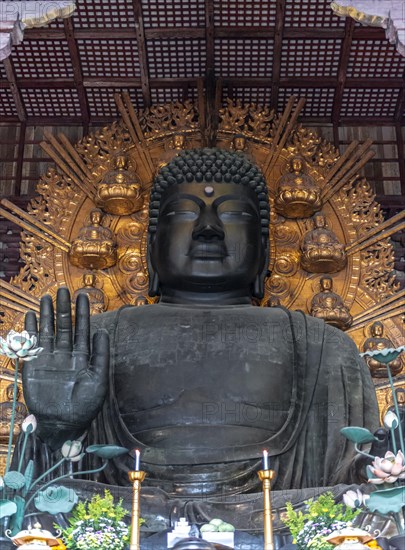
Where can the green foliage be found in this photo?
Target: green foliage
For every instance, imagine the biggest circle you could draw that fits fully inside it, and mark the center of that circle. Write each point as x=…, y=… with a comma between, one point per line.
x=321, y=517
x=97, y=524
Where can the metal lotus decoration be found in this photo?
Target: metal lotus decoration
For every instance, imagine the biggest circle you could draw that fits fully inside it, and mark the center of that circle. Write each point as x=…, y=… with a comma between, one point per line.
x=387, y=473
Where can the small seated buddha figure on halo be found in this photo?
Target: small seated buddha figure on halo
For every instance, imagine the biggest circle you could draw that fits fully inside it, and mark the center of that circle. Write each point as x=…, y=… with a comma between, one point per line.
x=297, y=195
x=120, y=192
x=321, y=250
x=329, y=306
x=95, y=295
x=6, y=409
x=377, y=341
x=95, y=246
x=178, y=142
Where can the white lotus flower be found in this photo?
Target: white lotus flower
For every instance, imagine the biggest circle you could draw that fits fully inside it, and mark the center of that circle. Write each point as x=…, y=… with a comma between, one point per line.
x=72, y=450
x=388, y=469
x=20, y=345
x=30, y=424
x=391, y=420
x=1, y=483
x=353, y=499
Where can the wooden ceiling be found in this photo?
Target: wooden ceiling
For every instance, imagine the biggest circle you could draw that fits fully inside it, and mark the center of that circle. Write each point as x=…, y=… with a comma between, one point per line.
x=263, y=51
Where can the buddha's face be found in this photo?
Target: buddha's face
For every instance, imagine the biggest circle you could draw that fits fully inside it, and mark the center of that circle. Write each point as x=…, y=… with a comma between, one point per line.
x=326, y=283
x=178, y=141
x=297, y=165
x=89, y=279
x=239, y=143
x=377, y=330
x=319, y=221
x=96, y=217
x=208, y=238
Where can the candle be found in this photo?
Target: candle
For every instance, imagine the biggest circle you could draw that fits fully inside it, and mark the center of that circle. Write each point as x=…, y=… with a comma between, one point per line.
x=265, y=459
x=137, y=460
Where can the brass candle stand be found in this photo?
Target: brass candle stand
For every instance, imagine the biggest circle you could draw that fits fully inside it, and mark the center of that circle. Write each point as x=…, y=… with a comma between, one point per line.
x=136, y=478
x=265, y=477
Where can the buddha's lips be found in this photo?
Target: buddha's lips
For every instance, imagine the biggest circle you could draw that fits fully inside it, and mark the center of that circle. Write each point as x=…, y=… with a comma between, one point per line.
x=208, y=251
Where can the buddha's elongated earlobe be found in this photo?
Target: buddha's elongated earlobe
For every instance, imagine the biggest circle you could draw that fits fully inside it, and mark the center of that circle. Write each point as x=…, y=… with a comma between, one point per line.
x=154, y=285
x=258, y=283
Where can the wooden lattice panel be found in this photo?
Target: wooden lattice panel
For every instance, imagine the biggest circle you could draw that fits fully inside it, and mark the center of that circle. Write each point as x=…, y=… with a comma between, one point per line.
x=307, y=13
x=251, y=13
x=183, y=57
x=7, y=105
x=173, y=13
x=374, y=58
x=310, y=57
x=109, y=58
x=102, y=14
x=319, y=101
x=51, y=102
x=260, y=96
x=102, y=103
x=167, y=95
x=43, y=59
x=3, y=75
x=252, y=57
x=369, y=102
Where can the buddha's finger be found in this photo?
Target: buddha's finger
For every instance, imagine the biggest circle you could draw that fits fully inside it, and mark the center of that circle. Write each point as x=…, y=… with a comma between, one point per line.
x=82, y=328
x=63, y=320
x=100, y=359
x=46, y=324
x=30, y=323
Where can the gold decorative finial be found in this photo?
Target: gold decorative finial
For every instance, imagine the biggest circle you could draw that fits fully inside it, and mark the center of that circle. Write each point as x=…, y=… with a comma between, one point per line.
x=95, y=246
x=120, y=192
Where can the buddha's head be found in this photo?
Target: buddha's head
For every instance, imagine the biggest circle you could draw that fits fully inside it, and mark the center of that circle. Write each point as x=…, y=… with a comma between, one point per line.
x=377, y=329
x=319, y=221
x=10, y=392
x=96, y=217
x=239, y=143
x=297, y=164
x=179, y=141
x=326, y=283
x=89, y=279
x=208, y=229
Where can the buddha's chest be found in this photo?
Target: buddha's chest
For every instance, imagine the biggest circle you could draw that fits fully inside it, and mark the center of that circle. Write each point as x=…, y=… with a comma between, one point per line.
x=181, y=358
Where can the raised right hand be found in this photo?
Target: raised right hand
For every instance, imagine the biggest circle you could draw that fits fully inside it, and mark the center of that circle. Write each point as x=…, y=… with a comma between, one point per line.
x=66, y=385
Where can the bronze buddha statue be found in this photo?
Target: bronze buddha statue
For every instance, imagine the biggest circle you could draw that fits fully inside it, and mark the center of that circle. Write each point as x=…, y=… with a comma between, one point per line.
x=321, y=251
x=329, y=306
x=378, y=342
x=202, y=381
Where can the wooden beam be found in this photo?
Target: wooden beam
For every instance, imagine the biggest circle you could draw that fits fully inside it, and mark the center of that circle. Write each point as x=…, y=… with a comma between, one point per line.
x=343, y=63
x=143, y=57
x=278, y=41
x=401, y=156
x=12, y=81
x=20, y=158
x=77, y=73
x=209, y=35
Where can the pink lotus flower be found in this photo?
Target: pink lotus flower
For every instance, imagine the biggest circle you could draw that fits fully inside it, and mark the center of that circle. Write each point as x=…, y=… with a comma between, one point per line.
x=388, y=469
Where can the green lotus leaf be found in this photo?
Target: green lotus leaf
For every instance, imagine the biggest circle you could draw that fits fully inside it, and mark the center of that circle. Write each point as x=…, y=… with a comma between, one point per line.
x=14, y=480
x=7, y=508
x=358, y=435
x=56, y=499
x=387, y=500
x=107, y=451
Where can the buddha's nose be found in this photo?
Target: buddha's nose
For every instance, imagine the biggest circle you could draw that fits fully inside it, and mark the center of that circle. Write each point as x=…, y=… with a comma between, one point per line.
x=208, y=226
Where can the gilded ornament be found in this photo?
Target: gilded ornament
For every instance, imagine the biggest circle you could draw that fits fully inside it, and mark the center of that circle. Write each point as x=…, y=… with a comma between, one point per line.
x=321, y=250
x=377, y=341
x=329, y=306
x=120, y=192
x=5, y=414
x=297, y=195
x=97, y=299
x=95, y=247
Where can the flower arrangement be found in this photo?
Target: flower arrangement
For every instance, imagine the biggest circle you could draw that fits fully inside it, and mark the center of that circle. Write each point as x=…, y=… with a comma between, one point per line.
x=97, y=524
x=320, y=519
